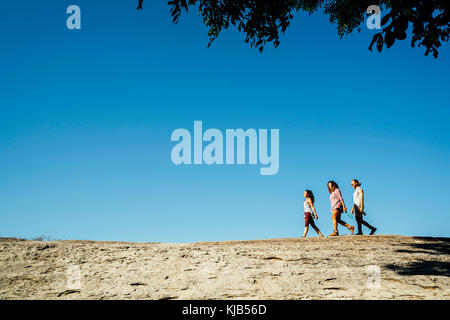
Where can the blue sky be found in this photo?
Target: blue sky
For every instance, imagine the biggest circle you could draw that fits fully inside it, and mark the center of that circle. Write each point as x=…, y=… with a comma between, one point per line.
x=86, y=118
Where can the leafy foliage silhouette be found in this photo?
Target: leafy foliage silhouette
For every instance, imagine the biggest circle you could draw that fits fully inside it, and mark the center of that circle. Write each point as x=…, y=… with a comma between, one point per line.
x=262, y=21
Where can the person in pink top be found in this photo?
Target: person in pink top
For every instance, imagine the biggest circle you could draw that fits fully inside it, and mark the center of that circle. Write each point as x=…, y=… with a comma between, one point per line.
x=337, y=207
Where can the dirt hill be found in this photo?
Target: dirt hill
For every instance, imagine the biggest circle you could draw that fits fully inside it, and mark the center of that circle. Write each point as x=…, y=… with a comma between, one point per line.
x=346, y=267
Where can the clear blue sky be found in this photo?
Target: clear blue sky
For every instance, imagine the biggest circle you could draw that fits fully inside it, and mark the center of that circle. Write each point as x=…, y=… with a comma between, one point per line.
x=86, y=118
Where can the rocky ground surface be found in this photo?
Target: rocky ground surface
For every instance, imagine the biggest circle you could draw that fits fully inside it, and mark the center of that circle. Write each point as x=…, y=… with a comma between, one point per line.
x=346, y=267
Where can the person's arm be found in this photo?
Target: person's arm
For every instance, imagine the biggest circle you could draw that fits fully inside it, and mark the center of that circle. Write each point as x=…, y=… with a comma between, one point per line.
x=312, y=207
x=342, y=200
x=361, y=194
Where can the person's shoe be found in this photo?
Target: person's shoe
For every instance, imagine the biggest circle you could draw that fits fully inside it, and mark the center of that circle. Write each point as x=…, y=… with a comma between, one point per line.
x=373, y=231
x=359, y=234
x=352, y=229
x=334, y=234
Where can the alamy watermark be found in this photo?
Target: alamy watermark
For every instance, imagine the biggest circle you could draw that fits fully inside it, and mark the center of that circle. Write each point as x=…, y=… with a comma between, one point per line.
x=374, y=20
x=74, y=277
x=74, y=20
x=213, y=152
x=373, y=272
x=373, y=277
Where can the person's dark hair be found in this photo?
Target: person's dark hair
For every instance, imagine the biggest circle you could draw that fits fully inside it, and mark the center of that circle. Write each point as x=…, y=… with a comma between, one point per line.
x=334, y=185
x=357, y=182
x=310, y=195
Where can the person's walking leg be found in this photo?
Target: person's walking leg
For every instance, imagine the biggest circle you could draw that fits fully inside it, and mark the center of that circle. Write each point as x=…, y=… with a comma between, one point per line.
x=349, y=227
x=366, y=224
x=334, y=218
x=307, y=220
x=305, y=232
x=358, y=218
x=318, y=231
x=311, y=222
x=372, y=228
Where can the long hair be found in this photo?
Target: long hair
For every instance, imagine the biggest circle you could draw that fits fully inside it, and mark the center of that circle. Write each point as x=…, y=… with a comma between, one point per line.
x=357, y=182
x=334, y=186
x=310, y=195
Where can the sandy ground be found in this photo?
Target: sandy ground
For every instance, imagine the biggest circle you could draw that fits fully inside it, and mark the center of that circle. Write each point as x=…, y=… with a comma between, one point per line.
x=346, y=267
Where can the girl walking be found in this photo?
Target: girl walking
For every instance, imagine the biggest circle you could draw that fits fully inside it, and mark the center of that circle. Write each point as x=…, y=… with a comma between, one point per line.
x=358, y=207
x=309, y=210
x=337, y=207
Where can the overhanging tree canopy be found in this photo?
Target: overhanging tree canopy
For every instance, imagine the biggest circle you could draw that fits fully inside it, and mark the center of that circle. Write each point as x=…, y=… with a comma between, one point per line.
x=262, y=21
